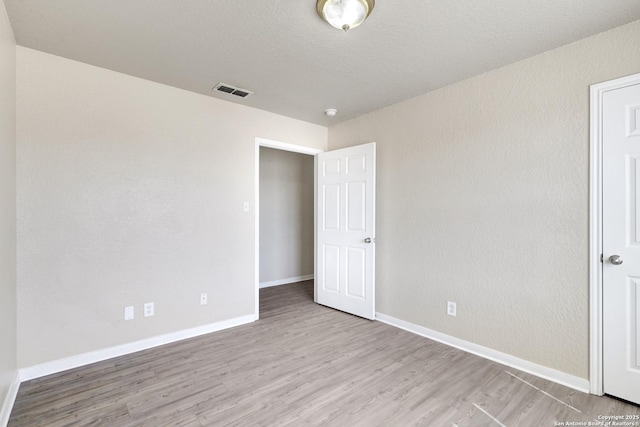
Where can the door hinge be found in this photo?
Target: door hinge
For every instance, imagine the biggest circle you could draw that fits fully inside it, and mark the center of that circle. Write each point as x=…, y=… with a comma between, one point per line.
x=601, y=257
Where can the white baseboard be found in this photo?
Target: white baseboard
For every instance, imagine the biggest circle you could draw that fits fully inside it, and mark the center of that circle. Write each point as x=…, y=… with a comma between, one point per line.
x=9, y=400
x=550, y=374
x=286, y=281
x=71, y=362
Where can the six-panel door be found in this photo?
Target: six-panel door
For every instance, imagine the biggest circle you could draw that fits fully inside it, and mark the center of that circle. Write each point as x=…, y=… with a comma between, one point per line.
x=621, y=242
x=345, y=270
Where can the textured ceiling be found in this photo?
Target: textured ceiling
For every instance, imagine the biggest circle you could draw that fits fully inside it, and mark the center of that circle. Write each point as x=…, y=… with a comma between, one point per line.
x=296, y=63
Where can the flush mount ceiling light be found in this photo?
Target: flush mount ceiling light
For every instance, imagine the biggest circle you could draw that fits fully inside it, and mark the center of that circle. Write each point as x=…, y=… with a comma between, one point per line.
x=345, y=14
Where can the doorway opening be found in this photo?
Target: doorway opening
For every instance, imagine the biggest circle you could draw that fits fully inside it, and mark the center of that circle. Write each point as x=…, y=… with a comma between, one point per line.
x=285, y=215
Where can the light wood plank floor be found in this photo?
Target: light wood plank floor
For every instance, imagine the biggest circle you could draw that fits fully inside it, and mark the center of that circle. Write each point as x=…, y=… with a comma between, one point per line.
x=303, y=364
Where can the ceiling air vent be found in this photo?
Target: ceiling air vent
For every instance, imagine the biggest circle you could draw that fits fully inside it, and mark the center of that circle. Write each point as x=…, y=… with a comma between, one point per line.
x=232, y=90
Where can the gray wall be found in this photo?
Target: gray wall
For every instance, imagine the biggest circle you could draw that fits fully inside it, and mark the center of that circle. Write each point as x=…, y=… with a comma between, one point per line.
x=129, y=192
x=483, y=191
x=286, y=215
x=7, y=205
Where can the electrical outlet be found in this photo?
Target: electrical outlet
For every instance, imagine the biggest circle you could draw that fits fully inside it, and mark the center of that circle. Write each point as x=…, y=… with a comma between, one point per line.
x=128, y=313
x=451, y=308
x=245, y=206
x=148, y=309
x=203, y=299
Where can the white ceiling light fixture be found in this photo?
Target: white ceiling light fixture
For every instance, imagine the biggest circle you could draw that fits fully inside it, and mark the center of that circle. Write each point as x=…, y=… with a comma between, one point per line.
x=345, y=14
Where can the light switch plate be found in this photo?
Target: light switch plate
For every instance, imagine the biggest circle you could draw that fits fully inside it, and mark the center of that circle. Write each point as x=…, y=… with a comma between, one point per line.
x=128, y=313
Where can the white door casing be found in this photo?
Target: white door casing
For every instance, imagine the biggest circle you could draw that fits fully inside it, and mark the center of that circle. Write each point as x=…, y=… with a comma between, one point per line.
x=345, y=229
x=621, y=238
x=262, y=142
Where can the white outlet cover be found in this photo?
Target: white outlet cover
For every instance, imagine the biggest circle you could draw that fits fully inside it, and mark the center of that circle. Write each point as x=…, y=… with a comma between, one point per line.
x=148, y=309
x=245, y=206
x=203, y=299
x=129, y=313
x=451, y=308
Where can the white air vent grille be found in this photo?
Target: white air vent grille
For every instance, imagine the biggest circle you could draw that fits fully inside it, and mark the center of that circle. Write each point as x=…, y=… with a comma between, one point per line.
x=232, y=90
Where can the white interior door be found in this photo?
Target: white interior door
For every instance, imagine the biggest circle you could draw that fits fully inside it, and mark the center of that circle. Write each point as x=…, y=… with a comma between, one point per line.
x=621, y=242
x=345, y=229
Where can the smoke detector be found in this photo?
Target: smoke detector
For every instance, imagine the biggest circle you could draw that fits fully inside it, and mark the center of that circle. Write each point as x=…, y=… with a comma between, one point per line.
x=330, y=112
x=232, y=90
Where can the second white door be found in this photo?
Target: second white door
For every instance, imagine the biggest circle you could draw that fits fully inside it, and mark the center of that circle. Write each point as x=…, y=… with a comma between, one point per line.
x=345, y=229
x=621, y=242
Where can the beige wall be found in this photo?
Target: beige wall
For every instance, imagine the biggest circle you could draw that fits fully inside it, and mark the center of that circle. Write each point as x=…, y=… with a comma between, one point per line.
x=483, y=200
x=129, y=192
x=7, y=205
x=286, y=215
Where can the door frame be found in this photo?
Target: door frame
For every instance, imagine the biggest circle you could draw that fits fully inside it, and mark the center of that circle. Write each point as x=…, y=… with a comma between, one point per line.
x=596, y=346
x=278, y=145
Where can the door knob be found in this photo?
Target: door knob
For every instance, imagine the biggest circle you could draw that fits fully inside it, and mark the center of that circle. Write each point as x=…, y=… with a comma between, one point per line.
x=367, y=240
x=615, y=259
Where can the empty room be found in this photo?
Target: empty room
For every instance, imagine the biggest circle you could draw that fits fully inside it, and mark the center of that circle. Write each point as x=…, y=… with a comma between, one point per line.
x=319, y=212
